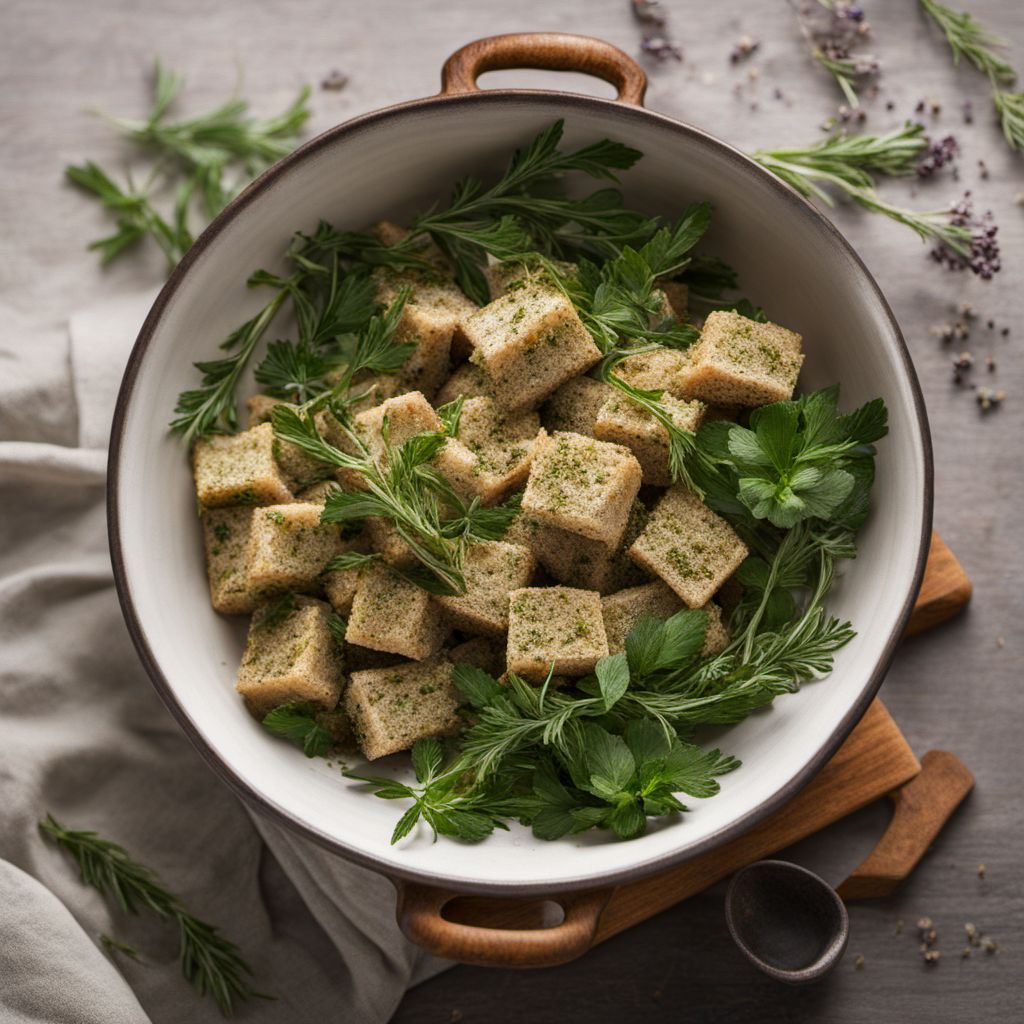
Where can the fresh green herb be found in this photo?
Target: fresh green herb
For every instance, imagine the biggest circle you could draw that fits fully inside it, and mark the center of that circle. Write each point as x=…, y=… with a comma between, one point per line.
x=338, y=626
x=969, y=38
x=195, y=157
x=436, y=523
x=350, y=560
x=450, y=414
x=298, y=723
x=800, y=459
x=210, y=963
x=847, y=162
x=112, y=946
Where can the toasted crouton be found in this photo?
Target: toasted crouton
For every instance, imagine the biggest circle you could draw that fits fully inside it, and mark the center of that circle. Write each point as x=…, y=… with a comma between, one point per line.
x=239, y=469
x=590, y=564
x=289, y=547
x=467, y=381
x=624, y=422
x=512, y=275
x=226, y=538
x=529, y=342
x=660, y=369
x=557, y=626
x=431, y=315
x=582, y=485
x=492, y=569
x=481, y=652
x=390, y=614
x=575, y=405
x=742, y=362
x=491, y=452
x=391, y=708
x=299, y=469
x=684, y=543
x=340, y=584
x=290, y=657
x=623, y=610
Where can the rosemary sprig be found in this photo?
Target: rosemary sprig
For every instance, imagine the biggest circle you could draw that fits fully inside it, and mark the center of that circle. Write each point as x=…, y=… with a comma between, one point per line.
x=970, y=39
x=846, y=163
x=212, y=964
x=194, y=158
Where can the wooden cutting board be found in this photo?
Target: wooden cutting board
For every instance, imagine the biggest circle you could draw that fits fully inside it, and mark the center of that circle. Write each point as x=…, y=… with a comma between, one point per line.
x=874, y=761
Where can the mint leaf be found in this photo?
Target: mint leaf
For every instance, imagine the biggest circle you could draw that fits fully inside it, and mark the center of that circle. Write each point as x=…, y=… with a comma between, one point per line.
x=612, y=678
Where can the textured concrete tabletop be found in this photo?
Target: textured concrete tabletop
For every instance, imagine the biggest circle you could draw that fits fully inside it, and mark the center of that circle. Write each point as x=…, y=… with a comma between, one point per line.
x=958, y=689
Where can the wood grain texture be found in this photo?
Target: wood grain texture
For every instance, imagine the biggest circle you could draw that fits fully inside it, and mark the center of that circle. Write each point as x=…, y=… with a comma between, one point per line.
x=550, y=51
x=945, y=589
x=922, y=808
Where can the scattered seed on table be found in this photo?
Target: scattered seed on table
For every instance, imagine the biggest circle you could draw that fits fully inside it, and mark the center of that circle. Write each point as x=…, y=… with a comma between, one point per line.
x=931, y=956
x=858, y=962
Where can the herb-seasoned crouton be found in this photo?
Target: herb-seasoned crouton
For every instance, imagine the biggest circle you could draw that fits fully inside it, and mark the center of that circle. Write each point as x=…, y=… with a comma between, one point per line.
x=299, y=469
x=239, y=469
x=522, y=531
x=624, y=422
x=317, y=494
x=583, y=485
x=742, y=362
x=529, y=342
x=340, y=584
x=226, y=537
x=289, y=547
x=467, y=381
x=511, y=275
x=590, y=564
x=693, y=550
x=575, y=405
x=431, y=314
x=558, y=625
x=407, y=415
x=481, y=652
x=660, y=369
x=359, y=658
x=389, y=614
x=492, y=569
x=623, y=610
x=370, y=389
x=491, y=452
x=388, y=542
x=290, y=656
x=391, y=708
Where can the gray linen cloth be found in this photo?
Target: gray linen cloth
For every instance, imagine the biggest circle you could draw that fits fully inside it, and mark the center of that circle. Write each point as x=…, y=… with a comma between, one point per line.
x=84, y=736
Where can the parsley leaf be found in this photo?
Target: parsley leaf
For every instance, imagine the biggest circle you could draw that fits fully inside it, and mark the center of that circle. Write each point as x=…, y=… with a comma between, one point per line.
x=298, y=723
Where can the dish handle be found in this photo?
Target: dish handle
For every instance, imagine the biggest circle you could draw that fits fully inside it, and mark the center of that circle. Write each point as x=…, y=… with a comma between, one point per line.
x=549, y=51
x=419, y=911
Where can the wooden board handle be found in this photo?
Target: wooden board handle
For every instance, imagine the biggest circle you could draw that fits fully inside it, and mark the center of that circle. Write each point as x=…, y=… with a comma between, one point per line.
x=420, y=918
x=548, y=51
x=922, y=807
x=945, y=589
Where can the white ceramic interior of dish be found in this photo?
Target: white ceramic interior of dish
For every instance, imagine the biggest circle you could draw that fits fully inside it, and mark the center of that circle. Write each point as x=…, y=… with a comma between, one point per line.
x=397, y=162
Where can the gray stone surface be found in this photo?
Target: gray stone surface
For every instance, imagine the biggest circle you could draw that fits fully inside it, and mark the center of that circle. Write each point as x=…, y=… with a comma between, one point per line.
x=958, y=689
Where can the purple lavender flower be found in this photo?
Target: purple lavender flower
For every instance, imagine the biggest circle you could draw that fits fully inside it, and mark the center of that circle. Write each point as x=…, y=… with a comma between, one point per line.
x=939, y=153
x=981, y=252
x=660, y=48
x=649, y=11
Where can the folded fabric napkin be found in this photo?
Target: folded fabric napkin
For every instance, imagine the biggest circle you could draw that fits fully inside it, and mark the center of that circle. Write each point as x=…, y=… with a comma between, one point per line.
x=84, y=736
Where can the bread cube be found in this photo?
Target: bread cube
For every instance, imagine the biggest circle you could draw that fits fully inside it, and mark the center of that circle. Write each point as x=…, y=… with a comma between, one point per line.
x=239, y=469
x=261, y=409
x=299, y=469
x=226, y=539
x=684, y=543
x=467, y=381
x=481, y=652
x=677, y=295
x=370, y=389
x=340, y=584
x=575, y=405
x=624, y=422
x=390, y=614
x=317, y=494
x=590, y=564
x=359, y=658
x=391, y=708
x=430, y=316
x=290, y=658
x=554, y=625
x=289, y=547
x=388, y=542
x=582, y=485
x=529, y=342
x=337, y=723
x=660, y=369
x=522, y=531
x=491, y=452
x=623, y=610
x=511, y=275
x=492, y=569
x=742, y=362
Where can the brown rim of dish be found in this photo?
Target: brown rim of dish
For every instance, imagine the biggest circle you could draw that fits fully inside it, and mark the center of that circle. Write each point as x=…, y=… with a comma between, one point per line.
x=531, y=97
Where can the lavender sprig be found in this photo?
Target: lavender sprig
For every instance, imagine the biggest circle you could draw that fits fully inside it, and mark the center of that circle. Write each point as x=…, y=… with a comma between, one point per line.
x=833, y=29
x=962, y=240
